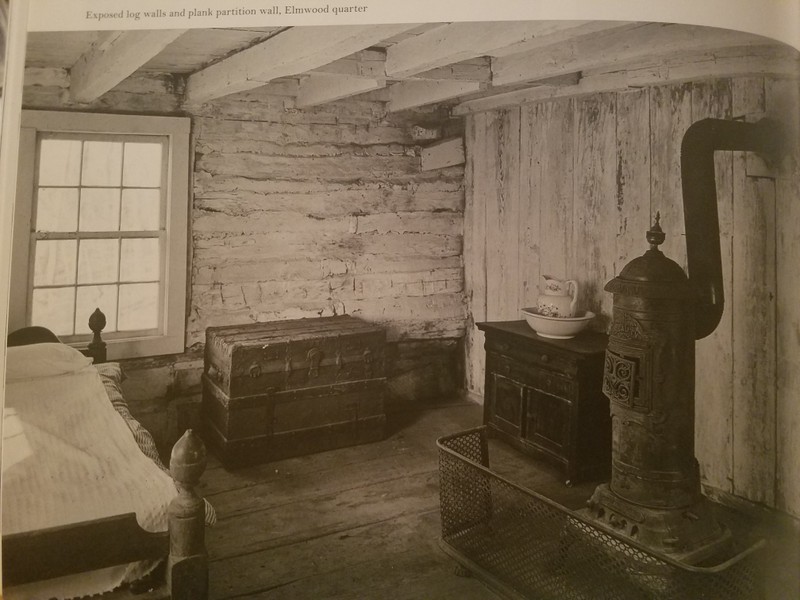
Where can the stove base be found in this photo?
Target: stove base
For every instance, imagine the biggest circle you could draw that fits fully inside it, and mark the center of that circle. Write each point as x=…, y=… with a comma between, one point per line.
x=692, y=535
x=526, y=546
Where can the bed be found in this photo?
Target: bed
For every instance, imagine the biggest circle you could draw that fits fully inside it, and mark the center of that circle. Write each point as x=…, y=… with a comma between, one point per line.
x=86, y=504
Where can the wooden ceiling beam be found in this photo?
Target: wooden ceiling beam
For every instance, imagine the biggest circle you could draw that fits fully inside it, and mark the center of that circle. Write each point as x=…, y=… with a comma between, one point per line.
x=366, y=63
x=416, y=92
x=456, y=42
x=610, y=47
x=730, y=62
x=319, y=88
x=475, y=69
x=115, y=57
x=291, y=52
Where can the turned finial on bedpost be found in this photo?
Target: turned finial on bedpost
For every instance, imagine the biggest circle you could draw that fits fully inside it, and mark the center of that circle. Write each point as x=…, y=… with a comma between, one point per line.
x=97, y=347
x=187, y=571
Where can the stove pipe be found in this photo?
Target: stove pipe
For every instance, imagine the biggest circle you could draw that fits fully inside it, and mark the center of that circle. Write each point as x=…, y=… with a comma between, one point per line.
x=654, y=494
x=700, y=204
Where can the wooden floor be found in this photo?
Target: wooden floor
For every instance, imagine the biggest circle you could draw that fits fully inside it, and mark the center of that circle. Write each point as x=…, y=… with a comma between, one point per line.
x=362, y=523
x=356, y=523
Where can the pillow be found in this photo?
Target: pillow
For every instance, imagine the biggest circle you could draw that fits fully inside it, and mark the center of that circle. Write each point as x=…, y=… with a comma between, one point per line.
x=43, y=360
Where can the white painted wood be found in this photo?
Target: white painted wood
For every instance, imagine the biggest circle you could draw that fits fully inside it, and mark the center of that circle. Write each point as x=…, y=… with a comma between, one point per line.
x=366, y=63
x=23, y=215
x=633, y=176
x=640, y=73
x=455, y=42
x=170, y=337
x=557, y=147
x=670, y=117
x=714, y=411
x=290, y=52
x=414, y=93
x=613, y=47
x=47, y=76
x=443, y=154
x=782, y=100
x=115, y=57
x=479, y=170
x=320, y=88
x=502, y=220
x=475, y=69
x=593, y=247
x=531, y=141
x=10, y=108
x=556, y=32
x=754, y=291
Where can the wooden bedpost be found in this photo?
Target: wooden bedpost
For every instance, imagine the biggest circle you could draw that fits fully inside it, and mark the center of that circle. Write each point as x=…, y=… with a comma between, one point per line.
x=97, y=347
x=187, y=567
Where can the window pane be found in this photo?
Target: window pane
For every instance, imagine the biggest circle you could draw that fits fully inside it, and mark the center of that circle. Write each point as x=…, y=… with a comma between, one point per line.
x=99, y=209
x=142, y=165
x=98, y=261
x=141, y=210
x=54, y=308
x=57, y=209
x=90, y=297
x=138, y=306
x=102, y=163
x=54, y=262
x=59, y=162
x=139, y=260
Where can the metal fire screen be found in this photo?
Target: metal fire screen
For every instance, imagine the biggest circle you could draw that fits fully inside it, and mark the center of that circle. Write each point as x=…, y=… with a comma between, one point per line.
x=531, y=547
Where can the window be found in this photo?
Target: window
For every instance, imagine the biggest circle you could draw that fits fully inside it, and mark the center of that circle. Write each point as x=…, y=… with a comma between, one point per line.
x=101, y=222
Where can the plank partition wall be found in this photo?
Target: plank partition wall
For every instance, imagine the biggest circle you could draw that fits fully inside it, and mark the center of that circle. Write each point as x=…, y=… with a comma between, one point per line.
x=568, y=186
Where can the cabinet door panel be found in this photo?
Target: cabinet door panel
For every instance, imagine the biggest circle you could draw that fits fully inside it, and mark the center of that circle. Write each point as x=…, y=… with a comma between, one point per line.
x=548, y=422
x=507, y=396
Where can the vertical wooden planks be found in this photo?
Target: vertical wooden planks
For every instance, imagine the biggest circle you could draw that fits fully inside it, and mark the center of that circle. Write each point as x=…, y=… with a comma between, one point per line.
x=754, y=341
x=633, y=176
x=557, y=191
x=480, y=184
x=532, y=199
x=593, y=246
x=670, y=117
x=753, y=300
x=502, y=222
x=600, y=167
x=782, y=102
x=714, y=355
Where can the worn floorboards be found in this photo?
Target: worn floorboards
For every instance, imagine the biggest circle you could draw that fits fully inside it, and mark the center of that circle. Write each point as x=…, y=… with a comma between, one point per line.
x=358, y=523
x=355, y=523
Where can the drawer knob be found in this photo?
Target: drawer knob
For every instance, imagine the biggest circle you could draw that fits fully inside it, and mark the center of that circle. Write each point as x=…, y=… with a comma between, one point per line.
x=544, y=358
x=255, y=371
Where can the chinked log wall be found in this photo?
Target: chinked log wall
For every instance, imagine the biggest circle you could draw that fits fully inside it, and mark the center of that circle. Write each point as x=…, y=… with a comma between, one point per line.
x=568, y=187
x=303, y=213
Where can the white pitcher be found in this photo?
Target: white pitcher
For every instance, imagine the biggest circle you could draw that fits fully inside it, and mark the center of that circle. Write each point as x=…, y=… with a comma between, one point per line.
x=556, y=299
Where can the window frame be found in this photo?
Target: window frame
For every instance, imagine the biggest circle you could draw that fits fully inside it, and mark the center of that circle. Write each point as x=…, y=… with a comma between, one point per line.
x=171, y=340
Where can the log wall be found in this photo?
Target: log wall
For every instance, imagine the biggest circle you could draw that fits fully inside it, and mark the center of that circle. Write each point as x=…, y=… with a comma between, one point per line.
x=569, y=186
x=304, y=213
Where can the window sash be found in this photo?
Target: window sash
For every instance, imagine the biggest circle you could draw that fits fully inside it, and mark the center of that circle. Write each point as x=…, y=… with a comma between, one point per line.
x=173, y=134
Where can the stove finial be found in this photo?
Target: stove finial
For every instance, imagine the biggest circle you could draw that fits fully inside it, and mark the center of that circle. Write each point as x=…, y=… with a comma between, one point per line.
x=655, y=235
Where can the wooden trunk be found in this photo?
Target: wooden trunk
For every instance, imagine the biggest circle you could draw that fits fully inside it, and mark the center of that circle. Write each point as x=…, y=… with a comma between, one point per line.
x=288, y=388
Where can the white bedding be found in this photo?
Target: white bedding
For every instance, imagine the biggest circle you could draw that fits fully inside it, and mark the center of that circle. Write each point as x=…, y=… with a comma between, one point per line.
x=68, y=456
